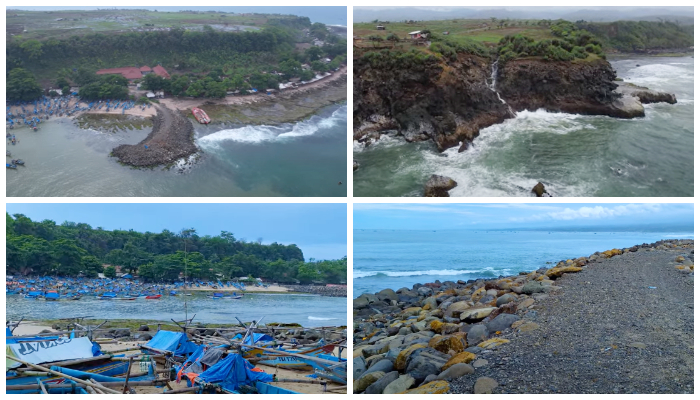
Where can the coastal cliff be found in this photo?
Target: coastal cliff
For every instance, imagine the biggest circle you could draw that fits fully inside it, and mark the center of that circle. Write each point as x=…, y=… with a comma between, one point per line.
x=448, y=102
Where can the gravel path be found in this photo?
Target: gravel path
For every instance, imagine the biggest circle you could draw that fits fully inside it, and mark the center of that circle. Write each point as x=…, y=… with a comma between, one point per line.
x=607, y=331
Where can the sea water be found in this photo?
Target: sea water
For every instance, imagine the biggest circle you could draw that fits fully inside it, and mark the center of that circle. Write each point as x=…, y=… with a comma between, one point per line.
x=401, y=258
x=307, y=158
x=307, y=310
x=573, y=155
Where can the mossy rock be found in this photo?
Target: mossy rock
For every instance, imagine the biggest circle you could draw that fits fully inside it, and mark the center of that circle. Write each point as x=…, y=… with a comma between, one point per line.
x=556, y=272
x=464, y=357
x=436, y=326
x=366, y=380
x=493, y=343
x=402, y=358
x=445, y=344
x=434, y=387
x=611, y=253
x=411, y=311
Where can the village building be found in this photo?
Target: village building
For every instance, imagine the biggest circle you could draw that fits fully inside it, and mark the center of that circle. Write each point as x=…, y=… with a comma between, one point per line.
x=132, y=73
x=417, y=35
x=381, y=28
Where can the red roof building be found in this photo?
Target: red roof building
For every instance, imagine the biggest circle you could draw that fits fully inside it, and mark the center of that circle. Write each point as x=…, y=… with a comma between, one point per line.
x=127, y=72
x=145, y=68
x=160, y=71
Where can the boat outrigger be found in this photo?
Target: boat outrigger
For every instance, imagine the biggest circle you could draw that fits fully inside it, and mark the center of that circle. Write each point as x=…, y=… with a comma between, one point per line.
x=201, y=116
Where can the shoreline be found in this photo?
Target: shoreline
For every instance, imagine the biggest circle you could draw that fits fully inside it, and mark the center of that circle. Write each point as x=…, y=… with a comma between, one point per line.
x=464, y=337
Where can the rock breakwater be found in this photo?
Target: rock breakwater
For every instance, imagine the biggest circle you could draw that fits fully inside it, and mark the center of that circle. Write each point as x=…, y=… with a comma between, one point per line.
x=330, y=291
x=171, y=139
x=505, y=335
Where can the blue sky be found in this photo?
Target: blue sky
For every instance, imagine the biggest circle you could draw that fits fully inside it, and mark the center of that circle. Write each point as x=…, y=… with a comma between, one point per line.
x=605, y=216
x=320, y=230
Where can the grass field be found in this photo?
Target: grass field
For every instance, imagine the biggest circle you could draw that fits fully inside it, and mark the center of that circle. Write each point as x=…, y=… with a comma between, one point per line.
x=460, y=30
x=63, y=24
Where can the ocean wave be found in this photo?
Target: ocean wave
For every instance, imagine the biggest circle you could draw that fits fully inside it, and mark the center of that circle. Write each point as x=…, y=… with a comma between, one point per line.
x=680, y=235
x=320, y=318
x=436, y=272
x=258, y=134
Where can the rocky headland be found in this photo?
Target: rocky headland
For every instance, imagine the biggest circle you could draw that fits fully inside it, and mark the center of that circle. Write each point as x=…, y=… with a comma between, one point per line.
x=171, y=139
x=448, y=102
x=618, y=321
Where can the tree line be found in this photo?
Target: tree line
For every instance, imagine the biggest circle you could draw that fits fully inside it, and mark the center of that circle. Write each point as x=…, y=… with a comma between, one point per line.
x=77, y=249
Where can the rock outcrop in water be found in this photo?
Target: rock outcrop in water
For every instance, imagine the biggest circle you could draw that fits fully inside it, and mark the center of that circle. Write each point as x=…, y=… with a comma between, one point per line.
x=439, y=186
x=448, y=102
x=171, y=139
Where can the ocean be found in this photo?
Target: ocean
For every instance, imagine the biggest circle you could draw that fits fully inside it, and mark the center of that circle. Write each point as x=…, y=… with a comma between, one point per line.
x=307, y=310
x=401, y=258
x=307, y=158
x=573, y=155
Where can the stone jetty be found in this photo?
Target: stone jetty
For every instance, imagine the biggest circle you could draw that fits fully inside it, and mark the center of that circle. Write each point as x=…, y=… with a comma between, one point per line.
x=482, y=336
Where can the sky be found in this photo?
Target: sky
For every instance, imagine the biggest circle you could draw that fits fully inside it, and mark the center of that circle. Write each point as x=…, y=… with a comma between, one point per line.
x=331, y=15
x=591, y=216
x=320, y=230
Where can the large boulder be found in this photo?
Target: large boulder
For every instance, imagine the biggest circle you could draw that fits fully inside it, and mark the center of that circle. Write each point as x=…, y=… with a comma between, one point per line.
x=358, y=366
x=505, y=299
x=476, y=314
x=434, y=387
x=501, y=322
x=534, y=287
x=402, y=358
x=438, y=186
x=383, y=365
x=365, y=380
x=381, y=383
x=445, y=344
x=556, y=272
x=477, y=334
x=387, y=295
x=464, y=357
x=455, y=371
x=399, y=385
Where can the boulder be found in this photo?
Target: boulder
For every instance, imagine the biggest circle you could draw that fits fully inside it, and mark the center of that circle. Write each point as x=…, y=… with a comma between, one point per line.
x=501, y=322
x=402, y=358
x=438, y=186
x=434, y=387
x=120, y=332
x=387, y=295
x=143, y=336
x=556, y=272
x=355, y=165
x=505, y=299
x=358, y=366
x=401, y=384
x=464, y=357
x=493, y=343
x=485, y=385
x=383, y=365
x=445, y=344
x=381, y=383
x=455, y=371
x=144, y=328
x=365, y=380
x=476, y=314
x=477, y=334
x=539, y=190
x=457, y=308
x=525, y=303
x=534, y=287
x=425, y=363
x=360, y=302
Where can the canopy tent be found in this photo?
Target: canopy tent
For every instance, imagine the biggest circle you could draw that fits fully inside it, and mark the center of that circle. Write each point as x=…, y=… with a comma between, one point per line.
x=232, y=372
x=56, y=350
x=257, y=337
x=175, y=342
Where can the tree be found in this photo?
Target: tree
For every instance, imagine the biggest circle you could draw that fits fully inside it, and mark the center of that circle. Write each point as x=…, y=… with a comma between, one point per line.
x=32, y=48
x=110, y=272
x=393, y=38
x=92, y=266
x=22, y=86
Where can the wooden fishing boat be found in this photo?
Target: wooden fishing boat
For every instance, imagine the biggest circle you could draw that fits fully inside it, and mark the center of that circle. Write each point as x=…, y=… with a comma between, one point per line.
x=154, y=297
x=201, y=116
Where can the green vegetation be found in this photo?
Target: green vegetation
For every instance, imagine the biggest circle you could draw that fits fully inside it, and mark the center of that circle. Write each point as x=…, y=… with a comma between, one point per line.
x=387, y=59
x=102, y=87
x=73, y=249
x=628, y=36
x=22, y=85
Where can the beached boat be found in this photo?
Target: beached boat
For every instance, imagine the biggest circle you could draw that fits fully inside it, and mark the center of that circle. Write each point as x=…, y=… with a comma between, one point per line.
x=201, y=116
x=154, y=297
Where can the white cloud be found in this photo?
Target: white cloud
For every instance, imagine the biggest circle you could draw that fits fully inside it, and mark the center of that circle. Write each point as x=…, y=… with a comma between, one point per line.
x=432, y=208
x=596, y=212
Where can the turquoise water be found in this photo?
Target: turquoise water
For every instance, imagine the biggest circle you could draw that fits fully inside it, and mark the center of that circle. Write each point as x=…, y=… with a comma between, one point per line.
x=307, y=158
x=397, y=258
x=307, y=310
x=573, y=155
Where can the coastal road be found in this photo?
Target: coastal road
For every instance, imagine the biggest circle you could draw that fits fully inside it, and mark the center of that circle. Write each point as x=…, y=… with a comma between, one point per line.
x=624, y=325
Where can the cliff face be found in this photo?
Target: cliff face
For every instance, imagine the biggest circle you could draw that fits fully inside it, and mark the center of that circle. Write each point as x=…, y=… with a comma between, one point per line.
x=450, y=102
x=572, y=87
x=446, y=103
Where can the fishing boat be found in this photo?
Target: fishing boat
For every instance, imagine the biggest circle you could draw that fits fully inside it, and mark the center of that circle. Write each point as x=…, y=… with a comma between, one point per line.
x=154, y=297
x=11, y=166
x=51, y=296
x=17, y=162
x=201, y=116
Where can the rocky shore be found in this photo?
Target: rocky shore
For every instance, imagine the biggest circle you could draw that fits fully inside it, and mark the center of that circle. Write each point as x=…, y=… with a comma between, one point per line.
x=449, y=102
x=618, y=321
x=171, y=139
x=330, y=291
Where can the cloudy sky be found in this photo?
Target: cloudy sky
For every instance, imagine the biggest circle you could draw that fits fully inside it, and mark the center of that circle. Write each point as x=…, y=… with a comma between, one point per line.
x=320, y=230
x=625, y=216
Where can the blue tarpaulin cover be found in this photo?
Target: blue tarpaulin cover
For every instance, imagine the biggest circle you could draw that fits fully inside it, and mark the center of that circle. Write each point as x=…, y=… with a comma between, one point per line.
x=172, y=341
x=232, y=372
x=258, y=337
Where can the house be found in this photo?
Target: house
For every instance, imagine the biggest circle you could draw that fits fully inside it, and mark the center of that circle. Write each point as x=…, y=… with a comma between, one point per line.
x=381, y=28
x=145, y=70
x=417, y=35
x=160, y=71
